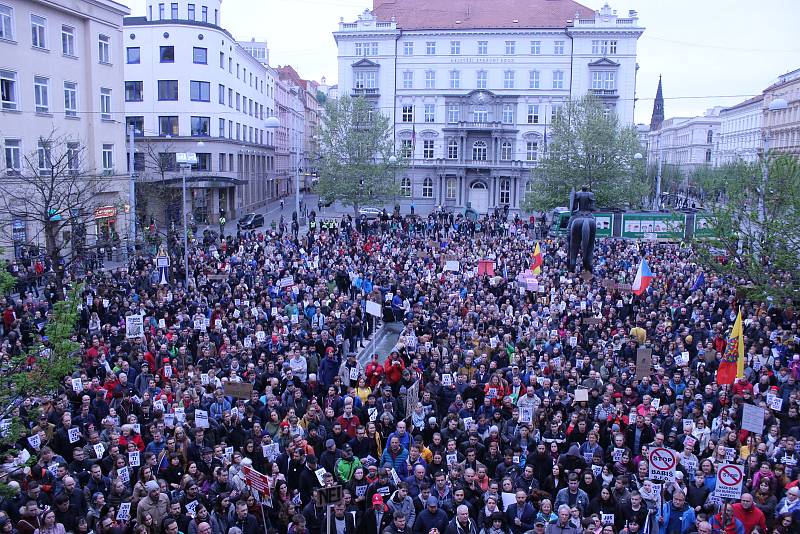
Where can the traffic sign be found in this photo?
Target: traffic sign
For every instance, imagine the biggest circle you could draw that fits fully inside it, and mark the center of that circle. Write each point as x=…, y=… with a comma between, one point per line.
x=730, y=478
x=662, y=463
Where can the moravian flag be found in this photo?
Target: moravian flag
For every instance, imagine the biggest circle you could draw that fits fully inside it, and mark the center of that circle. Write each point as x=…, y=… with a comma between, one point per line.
x=732, y=364
x=643, y=278
x=536, y=266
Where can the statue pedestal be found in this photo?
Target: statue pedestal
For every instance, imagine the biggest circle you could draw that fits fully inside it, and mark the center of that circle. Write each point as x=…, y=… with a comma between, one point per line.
x=586, y=276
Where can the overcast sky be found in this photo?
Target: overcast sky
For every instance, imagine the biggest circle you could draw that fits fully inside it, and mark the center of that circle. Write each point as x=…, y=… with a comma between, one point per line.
x=703, y=48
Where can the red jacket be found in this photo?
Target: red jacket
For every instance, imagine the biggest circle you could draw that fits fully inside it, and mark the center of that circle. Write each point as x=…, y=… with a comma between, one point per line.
x=750, y=518
x=374, y=373
x=394, y=370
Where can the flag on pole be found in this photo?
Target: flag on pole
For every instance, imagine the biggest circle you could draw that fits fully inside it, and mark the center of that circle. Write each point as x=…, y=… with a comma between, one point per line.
x=732, y=364
x=643, y=278
x=536, y=266
x=701, y=280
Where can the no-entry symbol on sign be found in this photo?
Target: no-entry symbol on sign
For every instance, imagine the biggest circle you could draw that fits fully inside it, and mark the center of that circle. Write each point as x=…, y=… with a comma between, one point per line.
x=730, y=478
x=662, y=463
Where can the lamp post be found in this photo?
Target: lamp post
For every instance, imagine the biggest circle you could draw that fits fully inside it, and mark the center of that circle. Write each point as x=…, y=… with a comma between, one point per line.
x=271, y=124
x=185, y=160
x=393, y=163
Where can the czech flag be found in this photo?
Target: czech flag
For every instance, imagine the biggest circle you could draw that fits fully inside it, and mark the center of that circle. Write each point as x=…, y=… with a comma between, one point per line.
x=731, y=365
x=536, y=266
x=643, y=278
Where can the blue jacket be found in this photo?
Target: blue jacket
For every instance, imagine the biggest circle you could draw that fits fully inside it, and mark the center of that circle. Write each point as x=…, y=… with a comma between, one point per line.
x=527, y=518
x=398, y=462
x=687, y=521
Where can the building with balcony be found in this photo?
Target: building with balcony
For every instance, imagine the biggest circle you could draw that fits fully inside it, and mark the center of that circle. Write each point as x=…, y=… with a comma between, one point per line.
x=60, y=66
x=190, y=87
x=783, y=127
x=740, y=135
x=685, y=142
x=471, y=87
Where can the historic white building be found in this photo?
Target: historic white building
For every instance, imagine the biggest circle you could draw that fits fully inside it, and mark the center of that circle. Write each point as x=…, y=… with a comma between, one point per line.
x=685, y=142
x=60, y=66
x=190, y=87
x=471, y=87
x=740, y=132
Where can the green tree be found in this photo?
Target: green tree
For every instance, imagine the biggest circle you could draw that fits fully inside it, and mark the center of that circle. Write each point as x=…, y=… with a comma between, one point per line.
x=588, y=146
x=753, y=214
x=355, y=147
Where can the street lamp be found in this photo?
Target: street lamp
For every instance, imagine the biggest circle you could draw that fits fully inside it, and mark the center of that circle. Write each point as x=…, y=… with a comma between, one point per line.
x=393, y=162
x=273, y=123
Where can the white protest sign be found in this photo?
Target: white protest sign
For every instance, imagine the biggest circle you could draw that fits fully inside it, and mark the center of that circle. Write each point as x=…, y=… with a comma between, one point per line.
x=447, y=379
x=775, y=403
x=204, y=378
x=321, y=475
x=662, y=463
x=133, y=459
x=452, y=459
x=374, y=309
x=134, y=326
x=74, y=434
x=35, y=441
x=124, y=512
x=526, y=414
x=354, y=373
x=617, y=454
x=124, y=475
x=99, y=449
x=201, y=418
x=77, y=385
x=730, y=478
x=261, y=336
x=581, y=395
x=452, y=265
x=753, y=418
x=191, y=508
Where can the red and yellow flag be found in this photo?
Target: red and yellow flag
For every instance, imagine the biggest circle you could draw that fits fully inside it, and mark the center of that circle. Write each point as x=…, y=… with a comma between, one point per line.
x=731, y=366
x=536, y=266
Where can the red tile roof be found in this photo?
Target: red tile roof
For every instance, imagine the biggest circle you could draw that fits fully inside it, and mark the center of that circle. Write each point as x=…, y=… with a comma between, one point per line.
x=479, y=14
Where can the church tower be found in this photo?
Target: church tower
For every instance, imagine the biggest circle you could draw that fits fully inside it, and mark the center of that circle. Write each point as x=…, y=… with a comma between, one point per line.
x=658, y=109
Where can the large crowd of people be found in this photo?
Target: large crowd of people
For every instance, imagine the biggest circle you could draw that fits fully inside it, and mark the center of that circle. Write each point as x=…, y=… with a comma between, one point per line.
x=511, y=403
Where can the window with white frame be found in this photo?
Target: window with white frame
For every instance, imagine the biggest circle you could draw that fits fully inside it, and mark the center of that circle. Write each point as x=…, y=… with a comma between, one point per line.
x=455, y=79
x=555, y=109
x=604, y=79
x=430, y=79
x=108, y=158
x=221, y=129
x=406, y=148
x=533, y=79
x=427, y=188
x=70, y=99
x=529, y=187
x=9, y=99
x=430, y=112
x=41, y=94
x=479, y=151
x=508, y=114
x=407, y=114
x=38, y=31
x=482, y=79
x=221, y=95
x=536, y=48
x=558, y=48
x=358, y=82
x=430, y=48
x=408, y=79
x=405, y=187
x=104, y=49
x=505, y=151
x=44, y=160
x=452, y=149
x=408, y=48
x=455, y=48
x=533, y=114
x=508, y=79
x=483, y=48
x=505, y=192
x=532, y=150
x=105, y=104
x=6, y=23
x=74, y=157
x=68, y=40
x=558, y=79
x=453, y=113
x=511, y=47
x=13, y=153
x=480, y=115
x=604, y=47
x=450, y=189
x=427, y=148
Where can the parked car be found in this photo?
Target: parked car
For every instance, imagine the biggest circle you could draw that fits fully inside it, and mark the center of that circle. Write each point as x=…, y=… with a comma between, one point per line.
x=370, y=213
x=250, y=221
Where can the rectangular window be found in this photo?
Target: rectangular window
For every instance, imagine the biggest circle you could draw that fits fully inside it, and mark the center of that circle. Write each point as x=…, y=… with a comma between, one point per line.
x=558, y=79
x=222, y=130
x=536, y=48
x=452, y=149
x=407, y=114
x=134, y=55
x=230, y=132
x=533, y=79
x=359, y=49
x=168, y=89
x=221, y=160
x=41, y=93
x=201, y=126
x=108, y=158
x=6, y=23
x=508, y=114
x=430, y=48
x=511, y=47
x=190, y=12
x=70, y=99
x=167, y=54
x=222, y=60
x=558, y=48
x=168, y=125
x=408, y=79
x=455, y=79
x=455, y=48
x=204, y=14
x=13, y=151
x=482, y=79
x=453, y=113
x=137, y=123
x=450, y=189
x=533, y=114
x=105, y=103
x=134, y=91
x=505, y=151
x=43, y=156
x=430, y=112
x=173, y=10
x=483, y=48
x=8, y=90
x=161, y=11
x=603, y=47
x=201, y=92
x=430, y=79
x=612, y=47
x=73, y=157
x=406, y=149
x=505, y=192
x=408, y=48
x=38, y=31
x=68, y=40
x=480, y=115
x=532, y=151
x=104, y=49
x=230, y=98
x=200, y=55
x=508, y=79
x=222, y=94
x=238, y=102
x=554, y=110
x=427, y=149
x=603, y=80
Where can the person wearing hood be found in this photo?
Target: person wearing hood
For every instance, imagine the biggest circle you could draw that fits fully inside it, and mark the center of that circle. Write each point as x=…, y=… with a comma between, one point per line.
x=400, y=501
x=572, y=460
x=431, y=517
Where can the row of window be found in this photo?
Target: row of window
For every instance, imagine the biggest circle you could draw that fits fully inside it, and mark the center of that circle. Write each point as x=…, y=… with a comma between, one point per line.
x=226, y=162
x=480, y=150
x=480, y=114
x=451, y=189
x=43, y=101
x=367, y=79
x=168, y=125
x=602, y=47
x=13, y=157
x=191, y=13
x=199, y=91
x=40, y=38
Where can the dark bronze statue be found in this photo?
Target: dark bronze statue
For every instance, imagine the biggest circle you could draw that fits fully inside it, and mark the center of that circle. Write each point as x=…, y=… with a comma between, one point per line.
x=581, y=230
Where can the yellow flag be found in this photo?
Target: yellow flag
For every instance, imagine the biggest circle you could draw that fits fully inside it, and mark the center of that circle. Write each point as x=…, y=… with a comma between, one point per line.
x=536, y=265
x=738, y=334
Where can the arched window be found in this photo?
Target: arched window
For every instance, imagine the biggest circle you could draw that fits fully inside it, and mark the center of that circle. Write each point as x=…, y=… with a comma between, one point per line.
x=427, y=188
x=505, y=151
x=479, y=151
x=452, y=149
x=405, y=187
